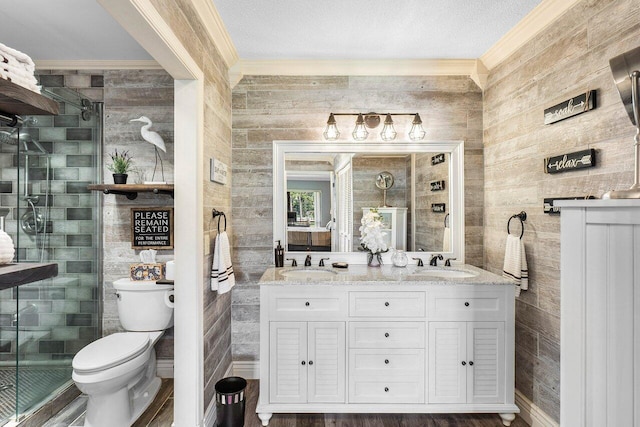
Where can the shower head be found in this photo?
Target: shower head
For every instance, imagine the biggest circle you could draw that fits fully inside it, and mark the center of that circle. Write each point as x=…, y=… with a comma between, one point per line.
x=8, y=138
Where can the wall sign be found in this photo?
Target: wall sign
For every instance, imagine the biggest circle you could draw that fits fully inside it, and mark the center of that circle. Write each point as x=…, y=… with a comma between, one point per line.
x=550, y=209
x=438, y=207
x=571, y=107
x=218, y=171
x=437, y=159
x=437, y=185
x=152, y=228
x=570, y=161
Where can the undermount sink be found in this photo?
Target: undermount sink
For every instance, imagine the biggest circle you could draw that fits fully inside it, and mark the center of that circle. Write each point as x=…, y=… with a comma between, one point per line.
x=309, y=274
x=445, y=274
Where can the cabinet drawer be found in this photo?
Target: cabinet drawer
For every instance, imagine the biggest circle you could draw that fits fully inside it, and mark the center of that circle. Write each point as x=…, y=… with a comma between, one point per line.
x=386, y=334
x=366, y=363
x=305, y=305
x=394, y=390
x=387, y=304
x=467, y=305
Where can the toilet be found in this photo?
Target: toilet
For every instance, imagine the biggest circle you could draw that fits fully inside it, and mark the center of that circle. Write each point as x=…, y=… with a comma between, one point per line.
x=118, y=372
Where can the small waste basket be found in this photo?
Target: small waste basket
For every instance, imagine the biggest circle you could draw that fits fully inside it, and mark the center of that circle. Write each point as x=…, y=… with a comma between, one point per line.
x=230, y=402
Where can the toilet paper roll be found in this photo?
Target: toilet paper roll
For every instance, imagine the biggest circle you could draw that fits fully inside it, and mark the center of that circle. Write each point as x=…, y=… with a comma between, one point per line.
x=170, y=270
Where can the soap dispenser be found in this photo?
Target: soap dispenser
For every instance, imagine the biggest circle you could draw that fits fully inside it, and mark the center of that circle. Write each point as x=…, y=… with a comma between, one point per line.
x=279, y=255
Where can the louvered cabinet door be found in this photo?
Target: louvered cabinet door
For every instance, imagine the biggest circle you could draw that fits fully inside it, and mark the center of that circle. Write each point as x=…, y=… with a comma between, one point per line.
x=326, y=365
x=447, y=353
x=485, y=364
x=288, y=362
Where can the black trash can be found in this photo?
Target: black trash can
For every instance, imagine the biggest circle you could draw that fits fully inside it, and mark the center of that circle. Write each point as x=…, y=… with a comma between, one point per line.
x=230, y=402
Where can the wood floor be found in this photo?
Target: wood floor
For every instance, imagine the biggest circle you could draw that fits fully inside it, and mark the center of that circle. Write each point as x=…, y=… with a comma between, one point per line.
x=160, y=414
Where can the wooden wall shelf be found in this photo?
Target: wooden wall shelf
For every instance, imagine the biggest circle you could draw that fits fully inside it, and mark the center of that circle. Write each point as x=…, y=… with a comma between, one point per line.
x=22, y=273
x=17, y=100
x=131, y=190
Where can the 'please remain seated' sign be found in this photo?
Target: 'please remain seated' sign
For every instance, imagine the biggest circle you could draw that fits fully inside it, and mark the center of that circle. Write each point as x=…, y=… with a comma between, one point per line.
x=152, y=228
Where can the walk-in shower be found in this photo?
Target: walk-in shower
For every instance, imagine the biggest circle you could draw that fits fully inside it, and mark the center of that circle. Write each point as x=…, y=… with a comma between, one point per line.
x=45, y=167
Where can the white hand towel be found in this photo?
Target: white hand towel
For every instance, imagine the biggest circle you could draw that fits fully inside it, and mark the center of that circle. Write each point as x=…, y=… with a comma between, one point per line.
x=515, y=263
x=222, y=277
x=446, y=240
x=19, y=56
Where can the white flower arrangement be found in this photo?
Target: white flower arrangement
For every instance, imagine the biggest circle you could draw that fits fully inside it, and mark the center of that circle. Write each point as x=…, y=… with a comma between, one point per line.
x=371, y=234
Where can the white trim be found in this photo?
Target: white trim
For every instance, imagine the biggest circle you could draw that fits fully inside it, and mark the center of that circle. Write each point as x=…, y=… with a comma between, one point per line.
x=50, y=64
x=211, y=414
x=533, y=415
x=414, y=67
x=247, y=369
x=212, y=23
x=164, y=368
x=543, y=15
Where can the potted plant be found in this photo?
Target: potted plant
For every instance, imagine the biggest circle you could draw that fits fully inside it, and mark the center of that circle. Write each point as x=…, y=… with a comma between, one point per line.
x=121, y=163
x=372, y=237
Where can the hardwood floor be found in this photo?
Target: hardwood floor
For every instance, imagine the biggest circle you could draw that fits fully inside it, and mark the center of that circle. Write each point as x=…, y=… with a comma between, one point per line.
x=160, y=414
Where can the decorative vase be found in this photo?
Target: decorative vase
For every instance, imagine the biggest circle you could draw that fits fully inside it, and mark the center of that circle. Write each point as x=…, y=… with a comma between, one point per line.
x=120, y=178
x=7, y=251
x=374, y=260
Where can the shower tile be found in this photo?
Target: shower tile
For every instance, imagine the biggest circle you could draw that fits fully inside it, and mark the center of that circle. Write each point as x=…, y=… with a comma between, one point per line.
x=29, y=319
x=5, y=346
x=6, y=187
x=65, y=306
x=43, y=122
x=79, y=135
x=79, y=213
x=47, y=145
x=80, y=240
x=44, y=306
x=63, y=200
x=52, y=134
x=97, y=81
x=52, y=80
x=87, y=333
x=67, y=147
x=37, y=173
x=5, y=319
x=26, y=293
x=66, y=121
x=53, y=319
x=44, y=200
x=79, y=266
x=80, y=161
x=88, y=306
x=53, y=293
x=86, y=200
x=62, y=254
x=48, y=227
x=72, y=347
x=77, y=80
x=50, y=346
x=65, y=334
x=79, y=320
x=68, y=174
x=78, y=187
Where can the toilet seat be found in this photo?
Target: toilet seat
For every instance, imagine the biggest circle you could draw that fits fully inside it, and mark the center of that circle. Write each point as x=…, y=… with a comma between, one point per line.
x=110, y=351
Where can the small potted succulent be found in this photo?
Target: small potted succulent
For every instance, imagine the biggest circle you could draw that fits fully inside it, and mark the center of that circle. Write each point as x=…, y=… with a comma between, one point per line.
x=121, y=163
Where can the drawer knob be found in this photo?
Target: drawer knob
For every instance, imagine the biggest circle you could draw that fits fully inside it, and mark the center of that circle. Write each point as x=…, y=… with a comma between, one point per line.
x=386, y=334
x=311, y=362
x=307, y=304
x=386, y=361
x=304, y=363
x=386, y=389
x=470, y=363
x=466, y=304
x=463, y=363
x=386, y=304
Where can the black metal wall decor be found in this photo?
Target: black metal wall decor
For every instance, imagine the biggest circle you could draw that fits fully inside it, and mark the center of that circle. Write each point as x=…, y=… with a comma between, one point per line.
x=571, y=107
x=555, y=210
x=570, y=161
x=438, y=207
x=437, y=185
x=437, y=159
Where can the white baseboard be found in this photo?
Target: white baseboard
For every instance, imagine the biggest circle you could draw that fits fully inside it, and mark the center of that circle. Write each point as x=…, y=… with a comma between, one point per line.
x=164, y=368
x=210, y=414
x=249, y=370
x=533, y=415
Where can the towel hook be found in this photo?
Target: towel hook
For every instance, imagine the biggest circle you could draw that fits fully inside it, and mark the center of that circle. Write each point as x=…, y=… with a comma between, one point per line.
x=217, y=213
x=522, y=216
x=446, y=224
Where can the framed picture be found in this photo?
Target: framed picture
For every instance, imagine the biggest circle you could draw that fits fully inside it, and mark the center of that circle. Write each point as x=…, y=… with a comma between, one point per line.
x=152, y=228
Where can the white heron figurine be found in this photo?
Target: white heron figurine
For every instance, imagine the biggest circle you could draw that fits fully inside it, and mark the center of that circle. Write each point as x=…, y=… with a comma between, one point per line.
x=153, y=138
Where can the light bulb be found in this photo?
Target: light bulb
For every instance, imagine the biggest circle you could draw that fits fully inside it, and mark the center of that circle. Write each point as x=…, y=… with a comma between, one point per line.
x=331, y=132
x=360, y=132
x=417, y=132
x=388, y=132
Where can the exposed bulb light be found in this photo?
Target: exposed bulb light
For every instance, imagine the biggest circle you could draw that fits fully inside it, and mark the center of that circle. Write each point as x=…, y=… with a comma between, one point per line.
x=417, y=133
x=388, y=132
x=360, y=132
x=331, y=132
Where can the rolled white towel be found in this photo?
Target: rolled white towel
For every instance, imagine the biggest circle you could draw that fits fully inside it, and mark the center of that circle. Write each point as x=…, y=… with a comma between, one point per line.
x=20, y=56
x=19, y=81
x=20, y=72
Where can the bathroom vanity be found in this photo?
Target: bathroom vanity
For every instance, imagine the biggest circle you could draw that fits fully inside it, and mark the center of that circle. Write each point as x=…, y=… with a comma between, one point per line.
x=386, y=340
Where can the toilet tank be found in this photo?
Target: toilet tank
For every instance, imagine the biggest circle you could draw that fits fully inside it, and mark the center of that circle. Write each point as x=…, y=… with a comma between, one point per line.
x=144, y=306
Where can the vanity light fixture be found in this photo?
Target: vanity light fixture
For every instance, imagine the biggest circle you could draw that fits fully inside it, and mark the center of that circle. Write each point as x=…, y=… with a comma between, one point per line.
x=370, y=121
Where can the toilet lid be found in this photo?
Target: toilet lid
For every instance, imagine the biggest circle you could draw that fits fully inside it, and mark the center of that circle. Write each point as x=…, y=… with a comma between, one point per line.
x=110, y=351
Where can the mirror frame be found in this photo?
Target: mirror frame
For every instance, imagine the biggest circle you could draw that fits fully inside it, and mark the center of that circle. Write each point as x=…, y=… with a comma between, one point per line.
x=456, y=186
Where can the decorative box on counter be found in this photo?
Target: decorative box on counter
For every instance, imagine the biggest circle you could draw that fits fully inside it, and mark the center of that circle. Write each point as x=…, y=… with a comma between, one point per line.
x=147, y=271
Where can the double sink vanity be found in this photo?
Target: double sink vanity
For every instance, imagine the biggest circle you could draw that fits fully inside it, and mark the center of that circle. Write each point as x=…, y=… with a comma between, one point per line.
x=386, y=340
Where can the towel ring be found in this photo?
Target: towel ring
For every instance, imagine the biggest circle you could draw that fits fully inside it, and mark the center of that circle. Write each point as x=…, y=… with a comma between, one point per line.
x=522, y=216
x=216, y=213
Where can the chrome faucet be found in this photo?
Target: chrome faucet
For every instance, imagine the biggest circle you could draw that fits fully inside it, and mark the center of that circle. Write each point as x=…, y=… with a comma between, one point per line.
x=447, y=263
x=307, y=261
x=434, y=260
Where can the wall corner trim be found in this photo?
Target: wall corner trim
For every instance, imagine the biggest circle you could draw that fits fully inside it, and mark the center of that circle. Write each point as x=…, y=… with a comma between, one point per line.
x=480, y=74
x=217, y=31
x=532, y=414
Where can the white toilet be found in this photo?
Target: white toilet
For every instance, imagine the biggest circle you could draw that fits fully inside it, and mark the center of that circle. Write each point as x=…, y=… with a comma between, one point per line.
x=118, y=372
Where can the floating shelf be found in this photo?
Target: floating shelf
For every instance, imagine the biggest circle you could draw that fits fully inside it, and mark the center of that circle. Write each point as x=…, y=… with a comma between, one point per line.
x=131, y=190
x=17, y=100
x=22, y=273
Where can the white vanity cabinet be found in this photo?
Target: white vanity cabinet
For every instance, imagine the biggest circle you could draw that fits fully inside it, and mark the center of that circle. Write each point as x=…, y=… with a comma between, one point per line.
x=388, y=348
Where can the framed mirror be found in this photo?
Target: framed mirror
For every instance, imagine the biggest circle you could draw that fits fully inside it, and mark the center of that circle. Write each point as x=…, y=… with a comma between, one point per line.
x=422, y=210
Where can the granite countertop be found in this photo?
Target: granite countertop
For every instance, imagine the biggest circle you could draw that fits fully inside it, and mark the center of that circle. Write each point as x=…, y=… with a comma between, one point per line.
x=359, y=274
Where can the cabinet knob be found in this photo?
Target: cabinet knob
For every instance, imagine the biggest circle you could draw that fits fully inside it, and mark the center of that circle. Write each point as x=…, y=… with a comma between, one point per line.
x=386, y=304
x=311, y=362
x=386, y=334
x=470, y=363
x=463, y=363
x=386, y=361
x=386, y=389
x=304, y=363
x=466, y=304
x=307, y=304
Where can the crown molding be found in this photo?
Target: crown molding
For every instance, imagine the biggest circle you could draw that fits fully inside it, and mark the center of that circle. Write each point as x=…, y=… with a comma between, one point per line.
x=392, y=67
x=56, y=64
x=543, y=15
x=214, y=26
